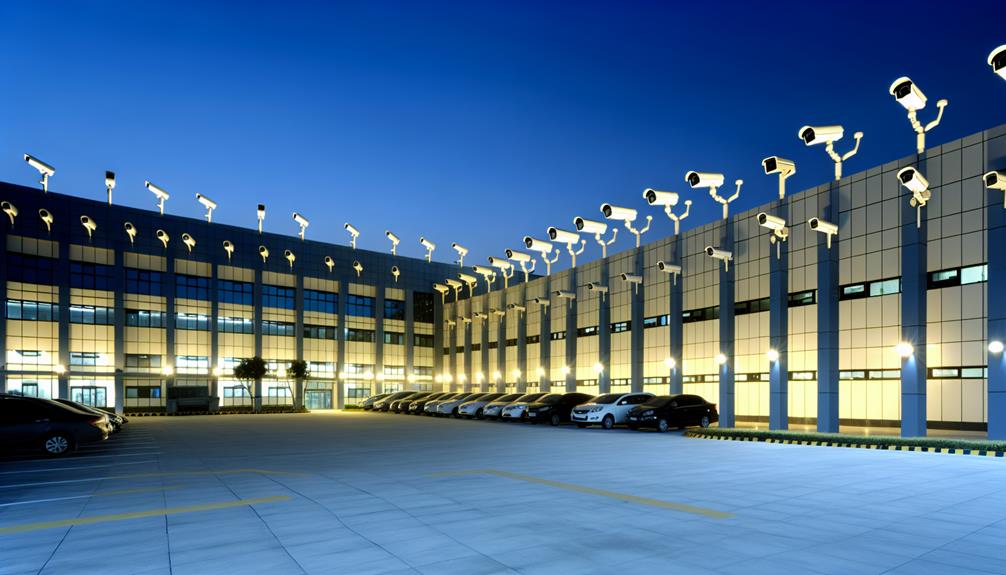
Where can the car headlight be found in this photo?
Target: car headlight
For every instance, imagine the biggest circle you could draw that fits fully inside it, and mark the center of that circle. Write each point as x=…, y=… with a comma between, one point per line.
x=544, y=408
x=647, y=412
x=596, y=408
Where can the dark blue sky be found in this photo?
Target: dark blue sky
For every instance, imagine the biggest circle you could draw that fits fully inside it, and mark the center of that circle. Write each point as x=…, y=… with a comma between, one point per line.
x=473, y=122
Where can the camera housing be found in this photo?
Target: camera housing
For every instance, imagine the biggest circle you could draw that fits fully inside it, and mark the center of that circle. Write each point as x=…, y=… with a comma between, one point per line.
x=913, y=180
x=518, y=256
x=592, y=286
x=777, y=165
x=771, y=222
x=189, y=241
x=47, y=219
x=632, y=278
x=618, y=213
x=130, y=230
x=562, y=236
x=668, y=268
x=658, y=198
x=995, y=180
x=264, y=252
x=9, y=209
x=290, y=257
x=330, y=263
x=500, y=264
x=536, y=245
x=542, y=301
x=589, y=226
x=160, y=193
x=813, y=135
x=564, y=294
x=704, y=179
x=997, y=59
x=908, y=94
x=723, y=255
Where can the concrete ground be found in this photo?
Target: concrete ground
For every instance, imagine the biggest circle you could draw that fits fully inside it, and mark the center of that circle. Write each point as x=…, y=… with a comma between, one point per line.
x=372, y=493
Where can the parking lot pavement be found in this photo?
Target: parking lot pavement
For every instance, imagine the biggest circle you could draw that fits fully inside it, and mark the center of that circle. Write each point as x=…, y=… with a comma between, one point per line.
x=374, y=493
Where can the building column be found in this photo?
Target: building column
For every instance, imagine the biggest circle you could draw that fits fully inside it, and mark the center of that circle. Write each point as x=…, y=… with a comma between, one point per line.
x=571, y=310
x=410, y=335
x=438, y=341
x=675, y=326
x=452, y=342
x=828, y=318
x=170, y=356
x=996, y=318
x=214, y=340
x=3, y=320
x=119, y=328
x=636, y=325
x=726, y=404
x=522, y=339
x=468, y=326
x=604, y=330
x=914, y=285
x=63, y=275
x=778, y=325
x=486, y=384
x=340, y=366
x=257, y=330
x=298, y=330
x=377, y=384
x=501, y=346
x=545, y=337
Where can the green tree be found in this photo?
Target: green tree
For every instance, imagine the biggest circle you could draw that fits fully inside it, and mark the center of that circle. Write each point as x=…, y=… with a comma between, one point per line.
x=248, y=370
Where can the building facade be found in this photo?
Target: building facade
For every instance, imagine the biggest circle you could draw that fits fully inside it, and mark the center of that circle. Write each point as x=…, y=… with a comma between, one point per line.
x=123, y=321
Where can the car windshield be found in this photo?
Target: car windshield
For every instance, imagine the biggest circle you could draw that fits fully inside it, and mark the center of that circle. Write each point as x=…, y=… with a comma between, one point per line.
x=550, y=398
x=606, y=398
x=511, y=397
x=529, y=397
x=659, y=401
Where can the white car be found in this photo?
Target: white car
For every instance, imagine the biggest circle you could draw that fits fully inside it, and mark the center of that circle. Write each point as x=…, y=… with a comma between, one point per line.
x=474, y=407
x=493, y=408
x=515, y=411
x=450, y=406
x=607, y=410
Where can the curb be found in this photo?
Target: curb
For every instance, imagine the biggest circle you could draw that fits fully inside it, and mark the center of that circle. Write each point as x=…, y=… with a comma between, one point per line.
x=880, y=447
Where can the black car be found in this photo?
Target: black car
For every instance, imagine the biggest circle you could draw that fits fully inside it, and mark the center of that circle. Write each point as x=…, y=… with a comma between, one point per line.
x=554, y=407
x=402, y=405
x=368, y=403
x=34, y=424
x=667, y=411
x=114, y=420
x=385, y=404
x=416, y=405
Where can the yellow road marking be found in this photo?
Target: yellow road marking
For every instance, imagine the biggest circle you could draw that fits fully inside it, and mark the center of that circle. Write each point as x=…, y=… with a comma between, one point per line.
x=683, y=507
x=138, y=514
x=159, y=474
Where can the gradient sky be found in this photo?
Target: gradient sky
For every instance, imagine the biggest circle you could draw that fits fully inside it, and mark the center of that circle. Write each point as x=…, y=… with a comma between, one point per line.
x=473, y=122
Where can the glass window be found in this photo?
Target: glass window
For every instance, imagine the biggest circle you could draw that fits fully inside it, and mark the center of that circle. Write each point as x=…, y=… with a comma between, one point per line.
x=234, y=325
x=192, y=287
x=321, y=301
x=885, y=287
x=192, y=363
x=144, y=282
x=83, y=358
x=798, y=299
x=240, y=293
x=394, y=309
x=91, y=315
x=32, y=311
x=192, y=321
x=144, y=318
x=360, y=335
x=31, y=269
x=533, y=339
x=277, y=328
x=394, y=338
x=944, y=278
x=854, y=291
x=278, y=297
x=621, y=326
x=142, y=360
x=91, y=276
x=359, y=306
x=319, y=332
x=422, y=307
x=974, y=274
x=555, y=336
x=422, y=340
x=586, y=331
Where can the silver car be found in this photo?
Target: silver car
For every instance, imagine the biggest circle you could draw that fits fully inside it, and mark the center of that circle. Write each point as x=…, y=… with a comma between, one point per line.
x=474, y=407
x=493, y=408
x=450, y=407
x=516, y=410
x=431, y=406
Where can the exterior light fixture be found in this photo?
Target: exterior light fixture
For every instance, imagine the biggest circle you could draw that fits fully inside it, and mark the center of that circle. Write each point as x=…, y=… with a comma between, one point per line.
x=713, y=181
x=9, y=209
x=209, y=204
x=109, y=184
x=540, y=372
x=353, y=234
x=261, y=217
x=329, y=263
x=908, y=94
x=162, y=236
x=60, y=369
x=772, y=355
x=44, y=169
x=264, y=252
x=229, y=248
x=479, y=376
x=462, y=377
x=394, y=241
x=189, y=241
x=995, y=346
x=785, y=169
x=827, y=228
x=89, y=224
x=598, y=229
x=357, y=267
x=167, y=370
x=570, y=239
x=516, y=374
x=290, y=257
x=302, y=222
x=462, y=252
x=46, y=217
x=904, y=349
x=497, y=375
x=430, y=246
x=668, y=200
x=218, y=371
x=997, y=59
x=598, y=367
x=828, y=135
x=669, y=363
x=626, y=216
x=916, y=183
x=159, y=193
x=566, y=370
x=721, y=359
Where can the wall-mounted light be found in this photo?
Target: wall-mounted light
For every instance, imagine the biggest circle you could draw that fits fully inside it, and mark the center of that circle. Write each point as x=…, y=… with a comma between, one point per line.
x=721, y=358
x=9, y=209
x=497, y=375
x=669, y=363
x=161, y=235
x=395, y=272
x=566, y=370
x=167, y=370
x=189, y=241
x=330, y=263
x=159, y=193
x=289, y=257
x=47, y=219
x=516, y=374
x=264, y=252
x=44, y=169
x=995, y=346
x=89, y=224
x=904, y=349
x=772, y=355
x=598, y=368
x=60, y=369
x=229, y=248
x=358, y=267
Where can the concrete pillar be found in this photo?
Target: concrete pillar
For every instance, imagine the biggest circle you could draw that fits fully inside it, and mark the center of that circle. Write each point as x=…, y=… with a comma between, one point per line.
x=3, y=320
x=63, y=281
x=377, y=383
x=119, y=328
x=638, y=302
x=438, y=342
x=545, y=337
x=452, y=342
x=215, y=338
x=675, y=327
x=410, y=334
x=521, y=318
x=571, y=311
x=726, y=403
x=779, y=324
x=340, y=367
x=828, y=317
x=996, y=328
x=257, y=330
x=501, y=346
x=604, y=328
x=468, y=326
x=914, y=285
x=298, y=330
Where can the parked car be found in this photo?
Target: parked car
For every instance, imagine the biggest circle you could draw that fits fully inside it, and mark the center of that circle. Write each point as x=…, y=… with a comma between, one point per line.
x=554, y=408
x=416, y=405
x=667, y=411
x=368, y=403
x=115, y=421
x=401, y=405
x=607, y=410
x=516, y=410
x=493, y=408
x=450, y=406
x=384, y=404
x=473, y=407
x=34, y=424
x=431, y=406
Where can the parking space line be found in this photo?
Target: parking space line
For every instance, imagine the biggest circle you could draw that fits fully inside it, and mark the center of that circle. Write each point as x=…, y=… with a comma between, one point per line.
x=74, y=468
x=683, y=507
x=140, y=514
x=160, y=474
x=99, y=494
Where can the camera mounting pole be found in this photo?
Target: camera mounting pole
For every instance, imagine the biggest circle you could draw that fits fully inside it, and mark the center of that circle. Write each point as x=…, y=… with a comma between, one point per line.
x=572, y=253
x=676, y=218
x=830, y=148
x=635, y=232
x=725, y=201
x=604, y=245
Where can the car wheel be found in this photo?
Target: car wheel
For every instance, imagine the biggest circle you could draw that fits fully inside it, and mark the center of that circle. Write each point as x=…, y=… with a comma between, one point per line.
x=554, y=420
x=608, y=422
x=704, y=422
x=57, y=444
x=662, y=425
x=478, y=414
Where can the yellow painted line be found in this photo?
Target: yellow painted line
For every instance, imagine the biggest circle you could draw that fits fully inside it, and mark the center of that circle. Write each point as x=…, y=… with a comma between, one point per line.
x=683, y=507
x=159, y=474
x=89, y=495
x=138, y=514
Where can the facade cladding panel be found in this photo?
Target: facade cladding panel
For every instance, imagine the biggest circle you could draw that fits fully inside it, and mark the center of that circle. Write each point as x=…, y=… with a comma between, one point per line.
x=195, y=310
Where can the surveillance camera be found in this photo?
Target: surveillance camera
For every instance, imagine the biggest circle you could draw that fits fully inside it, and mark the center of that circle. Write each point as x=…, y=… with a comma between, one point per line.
x=352, y=230
x=441, y=288
x=427, y=244
x=161, y=235
x=468, y=279
x=542, y=301
x=597, y=287
x=995, y=180
x=819, y=225
x=482, y=270
x=462, y=251
x=908, y=94
x=290, y=257
x=301, y=220
x=329, y=262
x=189, y=241
x=564, y=294
x=518, y=256
x=704, y=179
x=618, y=213
x=668, y=268
x=357, y=266
x=632, y=278
x=812, y=135
x=771, y=222
x=43, y=168
x=229, y=248
x=9, y=209
x=658, y=198
x=540, y=246
x=263, y=251
x=913, y=180
x=562, y=236
x=158, y=192
x=500, y=263
x=997, y=59
x=454, y=283
x=109, y=179
x=206, y=202
x=515, y=307
x=391, y=236
x=719, y=254
x=775, y=164
x=396, y=272
x=589, y=226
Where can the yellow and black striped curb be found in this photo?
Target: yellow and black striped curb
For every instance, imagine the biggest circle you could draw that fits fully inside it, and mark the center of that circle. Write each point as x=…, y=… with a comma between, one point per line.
x=852, y=445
